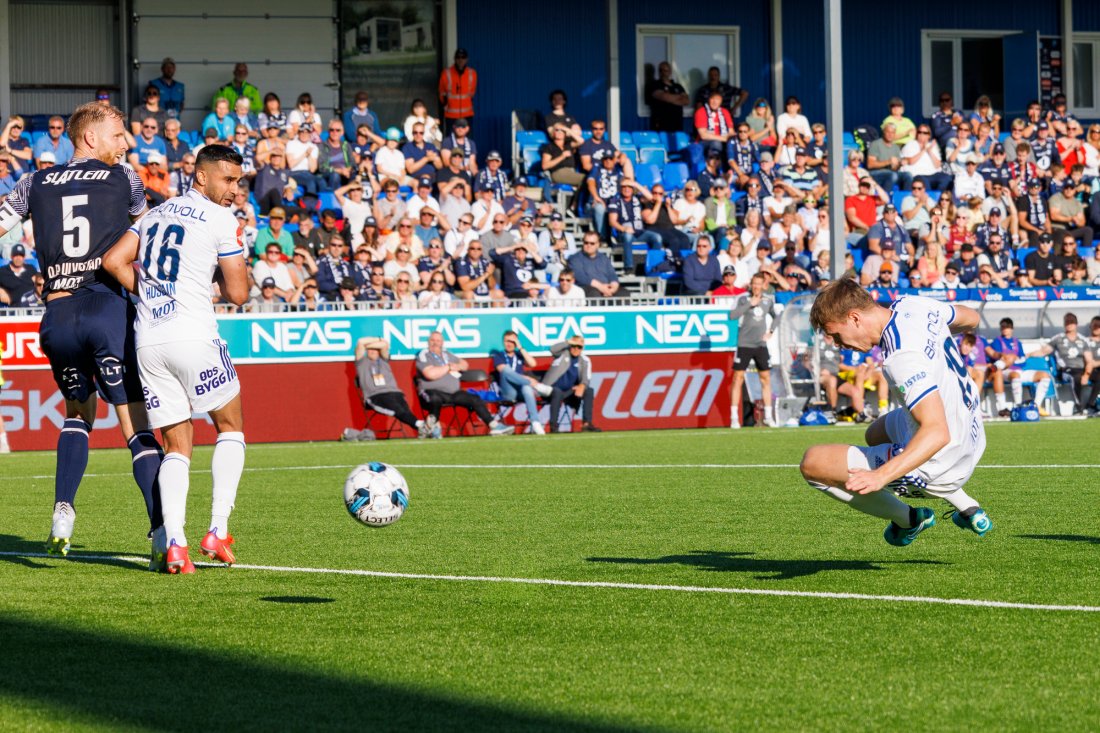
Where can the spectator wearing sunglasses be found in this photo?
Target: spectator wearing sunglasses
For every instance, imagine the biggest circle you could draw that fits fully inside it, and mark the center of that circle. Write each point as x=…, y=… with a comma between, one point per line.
x=54, y=143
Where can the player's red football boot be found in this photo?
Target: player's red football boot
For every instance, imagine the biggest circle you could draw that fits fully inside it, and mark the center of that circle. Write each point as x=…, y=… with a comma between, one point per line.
x=179, y=562
x=217, y=548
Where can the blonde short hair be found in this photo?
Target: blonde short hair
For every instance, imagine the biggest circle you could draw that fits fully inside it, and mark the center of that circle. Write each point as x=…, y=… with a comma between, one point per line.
x=87, y=115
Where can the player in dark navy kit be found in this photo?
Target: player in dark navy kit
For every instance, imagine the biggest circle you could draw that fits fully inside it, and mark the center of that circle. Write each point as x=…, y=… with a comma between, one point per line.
x=79, y=210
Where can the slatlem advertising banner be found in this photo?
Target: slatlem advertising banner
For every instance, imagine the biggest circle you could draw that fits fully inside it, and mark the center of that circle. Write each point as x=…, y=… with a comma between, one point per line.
x=652, y=368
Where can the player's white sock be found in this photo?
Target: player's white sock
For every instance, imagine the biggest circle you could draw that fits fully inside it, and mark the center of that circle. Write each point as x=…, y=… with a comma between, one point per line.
x=1017, y=391
x=419, y=424
x=961, y=500
x=1042, y=390
x=882, y=504
x=226, y=468
x=1002, y=403
x=174, y=478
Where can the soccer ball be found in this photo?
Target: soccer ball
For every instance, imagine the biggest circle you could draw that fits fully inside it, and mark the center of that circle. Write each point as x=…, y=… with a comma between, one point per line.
x=376, y=494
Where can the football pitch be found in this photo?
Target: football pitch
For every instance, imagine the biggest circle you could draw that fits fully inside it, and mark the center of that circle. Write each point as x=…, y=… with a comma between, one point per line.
x=658, y=581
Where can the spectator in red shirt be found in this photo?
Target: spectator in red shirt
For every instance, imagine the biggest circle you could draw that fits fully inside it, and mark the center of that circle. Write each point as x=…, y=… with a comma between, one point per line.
x=860, y=210
x=713, y=123
x=729, y=277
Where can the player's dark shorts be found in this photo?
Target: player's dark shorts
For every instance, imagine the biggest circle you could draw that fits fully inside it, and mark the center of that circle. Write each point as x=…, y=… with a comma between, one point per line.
x=747, y=354
x=89, y=339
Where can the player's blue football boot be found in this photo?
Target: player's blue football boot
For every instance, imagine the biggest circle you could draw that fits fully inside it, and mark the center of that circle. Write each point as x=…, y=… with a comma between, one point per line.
x=64, y=516
x=902, y=536
x=979, y=522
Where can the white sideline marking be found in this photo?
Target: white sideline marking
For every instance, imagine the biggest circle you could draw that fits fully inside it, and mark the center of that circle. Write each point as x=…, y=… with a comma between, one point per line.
x=604, y=584
x=567, y=466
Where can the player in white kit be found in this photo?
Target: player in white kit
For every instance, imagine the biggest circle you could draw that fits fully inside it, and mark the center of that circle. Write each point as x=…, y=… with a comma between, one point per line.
x=928, y=447
x=181, y=247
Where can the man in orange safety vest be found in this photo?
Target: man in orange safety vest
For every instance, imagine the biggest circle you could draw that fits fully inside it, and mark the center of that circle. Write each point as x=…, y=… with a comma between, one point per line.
x=457, y=86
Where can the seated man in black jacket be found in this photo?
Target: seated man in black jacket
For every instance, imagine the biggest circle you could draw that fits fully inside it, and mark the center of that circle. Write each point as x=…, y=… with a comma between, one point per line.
x=568, y=375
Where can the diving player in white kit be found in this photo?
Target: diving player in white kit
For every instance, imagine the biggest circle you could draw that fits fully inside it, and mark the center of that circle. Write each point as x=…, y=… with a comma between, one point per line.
x=928, y=447
x=181, y=247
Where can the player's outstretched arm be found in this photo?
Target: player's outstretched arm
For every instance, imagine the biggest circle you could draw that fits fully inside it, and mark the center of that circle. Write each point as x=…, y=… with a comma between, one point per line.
x=119, y=261
x=234, y=276
x=966, y=319
x=931, y=436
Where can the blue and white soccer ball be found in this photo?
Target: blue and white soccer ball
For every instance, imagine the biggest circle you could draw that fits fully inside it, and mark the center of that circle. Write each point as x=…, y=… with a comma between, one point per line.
x=376, y=494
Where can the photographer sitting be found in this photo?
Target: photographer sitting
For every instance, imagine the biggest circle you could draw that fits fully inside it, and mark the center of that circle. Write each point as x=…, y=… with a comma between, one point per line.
x=568, y=375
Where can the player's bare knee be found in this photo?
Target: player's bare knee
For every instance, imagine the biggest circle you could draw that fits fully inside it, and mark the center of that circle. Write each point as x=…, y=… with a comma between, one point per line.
x=811, y=462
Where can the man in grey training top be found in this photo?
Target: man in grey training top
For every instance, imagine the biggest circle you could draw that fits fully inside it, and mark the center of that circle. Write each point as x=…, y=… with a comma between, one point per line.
x=754, y=311
x=378, y=386
x=1075, y=363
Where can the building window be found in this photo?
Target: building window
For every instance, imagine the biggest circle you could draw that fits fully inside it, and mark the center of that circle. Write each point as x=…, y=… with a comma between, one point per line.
x=691, y=50
x=966, y=64
x=1085, y=102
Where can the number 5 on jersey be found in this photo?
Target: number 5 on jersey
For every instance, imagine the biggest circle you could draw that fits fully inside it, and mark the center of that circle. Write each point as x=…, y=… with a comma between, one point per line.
x=168, y=259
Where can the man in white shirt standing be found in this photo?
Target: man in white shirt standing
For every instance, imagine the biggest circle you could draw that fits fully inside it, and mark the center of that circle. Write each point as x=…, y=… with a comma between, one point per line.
x=182, y=246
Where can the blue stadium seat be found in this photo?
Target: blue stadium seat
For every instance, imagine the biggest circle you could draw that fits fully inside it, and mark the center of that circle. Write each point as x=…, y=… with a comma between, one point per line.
x=37, y=135
x=587, y=134
x=678, y=141
x=898, y=197
x=1022, y=253
x=1005, y=135
x=406, y=192
x=630, y=153
x=647, y=174
x=1086, y=252
x=626, y=140
x=849, y=140
x=675, y=175
x=646, y=137
x=532, y=161
x=736, y=196
x=530, y=137
x=654, y=257
x=652, y=155
x=663, y=137
x=327, y=200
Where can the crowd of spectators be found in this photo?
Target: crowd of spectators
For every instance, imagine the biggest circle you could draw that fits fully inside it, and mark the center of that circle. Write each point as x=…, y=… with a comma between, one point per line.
x=348, y=213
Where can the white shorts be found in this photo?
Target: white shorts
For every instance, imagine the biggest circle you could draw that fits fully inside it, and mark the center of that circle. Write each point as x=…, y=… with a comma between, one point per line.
x=184, y=378
x=899, y=430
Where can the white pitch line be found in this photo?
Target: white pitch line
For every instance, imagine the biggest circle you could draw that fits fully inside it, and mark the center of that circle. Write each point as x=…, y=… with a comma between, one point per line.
x=978, y=603
x=548, y=466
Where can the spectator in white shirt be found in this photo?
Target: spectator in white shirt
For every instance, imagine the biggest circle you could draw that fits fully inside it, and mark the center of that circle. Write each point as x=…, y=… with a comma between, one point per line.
x=692, y=211
x=356, y=210
x=794, y=119
x=970, y=183
x=567, y=294
x=389, y=161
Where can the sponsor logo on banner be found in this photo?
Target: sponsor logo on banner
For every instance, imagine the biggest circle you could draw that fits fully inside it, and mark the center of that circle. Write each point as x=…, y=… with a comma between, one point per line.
x=662, y=393
x=304, y=336
x=19, y=344
x=548, y=330
x=1026, y=294
x=701, y=329
x=412, y=333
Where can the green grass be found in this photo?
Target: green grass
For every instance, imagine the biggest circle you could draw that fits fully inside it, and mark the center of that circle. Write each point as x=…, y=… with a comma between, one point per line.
x=105, y=645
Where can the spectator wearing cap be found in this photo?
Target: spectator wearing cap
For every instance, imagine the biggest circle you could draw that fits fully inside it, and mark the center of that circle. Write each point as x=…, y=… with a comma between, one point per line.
x=761, y=120
x=276, y=232
x=569, y=376
x=492, y=177
x=712, y=170
x=713, y=122
x=378, y=386
x=992, y=227
x=272, y=266
x=363, y=145
x=997, y=257
x=903, y=125
x=800, y=179
x=302, y=158
x=966, y=264
x=46, y=160
x=969, y=184
x=1045, y=149
x=625, y=218
x=267, y=301
x=476, y=276
x=356, y=210
x=559, y=159
x=360, y=115
x=458, y=139
x=766, y=174
x=172, y=92
x=1033, y=213
x=884, y=160
x=238, y=87
x=729, y=286
x=59, y=147
x=484, y=210
x=336, y=160
x=209, y=137
x=457, y=88
x=154, y=176
x=742, y=154
x=422, y=199
x=1068, y=214
x=555, y=245
x=1040, y=266
x=702, y=274
x=890, y=230
x=591, y=148
x=719, y=215
x=1000, y=198
x=17, y=277
x=950, y=279
x=150, y=107
x=373, y=292
x=422, y=159
x=389, y=160
x=403, y=262
x=603, y=185
x=995, y=168
x=920, y=158
x=888, y=275
x=593, y=269
x=146, y=143
x=455, y=180
x=518, y=265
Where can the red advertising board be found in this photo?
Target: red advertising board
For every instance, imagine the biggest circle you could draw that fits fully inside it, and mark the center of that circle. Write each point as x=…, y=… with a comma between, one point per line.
x=316, y=401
